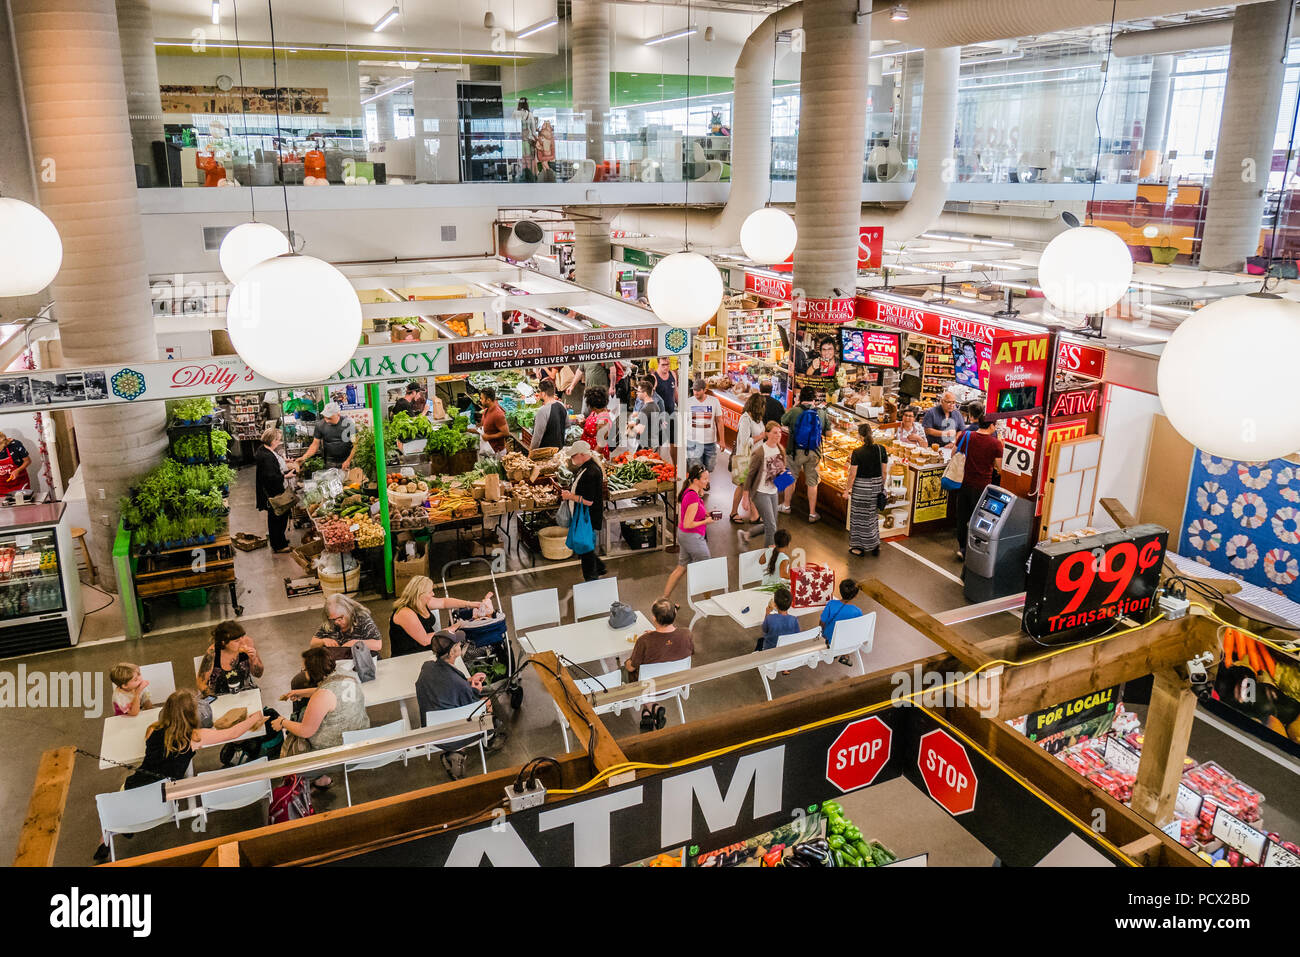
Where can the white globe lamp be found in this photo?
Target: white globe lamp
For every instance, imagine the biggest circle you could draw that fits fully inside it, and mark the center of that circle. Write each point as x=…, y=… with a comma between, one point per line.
x=1248, y=340
x=685, y=290
x=249, y=244
x=294, y=319
x=768, y=236
x=30, y=249
x=1084, y=271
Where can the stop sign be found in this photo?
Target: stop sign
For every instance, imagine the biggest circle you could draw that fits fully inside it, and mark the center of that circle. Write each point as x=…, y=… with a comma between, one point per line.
x=947, y=772
x=857, y=756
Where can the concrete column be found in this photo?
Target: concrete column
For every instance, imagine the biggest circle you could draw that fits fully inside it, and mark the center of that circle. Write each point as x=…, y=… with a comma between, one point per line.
x=140, y=72
x=70, y=61
x=1244, y=149
x=1155, y=126
x=590, y=45
x=385, y=123
x=592, y=251
x=832, y=141
x=17, y=176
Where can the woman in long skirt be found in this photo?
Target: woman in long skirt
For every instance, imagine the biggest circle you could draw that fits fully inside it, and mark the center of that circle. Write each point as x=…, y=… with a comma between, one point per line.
x=865, y=481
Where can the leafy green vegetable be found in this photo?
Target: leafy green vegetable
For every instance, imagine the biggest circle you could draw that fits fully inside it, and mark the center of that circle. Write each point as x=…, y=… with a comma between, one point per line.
x=406, y=427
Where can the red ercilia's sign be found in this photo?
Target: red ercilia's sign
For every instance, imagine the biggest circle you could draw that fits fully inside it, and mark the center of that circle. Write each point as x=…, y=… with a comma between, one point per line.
x=1081, y=360
x=871, y=246
x=769, y=287
x=933, y=324
x=824, y=310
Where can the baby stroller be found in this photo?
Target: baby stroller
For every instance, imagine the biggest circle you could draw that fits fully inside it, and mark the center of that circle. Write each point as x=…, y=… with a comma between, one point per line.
x=490, y=647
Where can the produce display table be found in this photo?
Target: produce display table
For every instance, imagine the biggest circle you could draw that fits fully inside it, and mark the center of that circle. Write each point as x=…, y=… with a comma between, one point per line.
x=615, y=515
x=175, y=570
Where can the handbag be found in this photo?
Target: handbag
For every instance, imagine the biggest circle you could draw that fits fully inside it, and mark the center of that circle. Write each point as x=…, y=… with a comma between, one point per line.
x=294, y=744
x=783, y=481
x=621, y=615
x=564, y=514
x=956, y=470
x=290, y=800
x=282, y=503
x=363, y=661
x=881, y=501
x=581, y=538
x=811, y=584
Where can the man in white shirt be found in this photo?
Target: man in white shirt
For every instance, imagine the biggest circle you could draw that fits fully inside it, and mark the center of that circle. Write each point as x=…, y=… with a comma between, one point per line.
x=703, y=427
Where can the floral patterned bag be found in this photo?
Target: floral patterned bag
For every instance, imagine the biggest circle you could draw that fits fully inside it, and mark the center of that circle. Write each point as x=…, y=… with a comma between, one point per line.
x=810, y=584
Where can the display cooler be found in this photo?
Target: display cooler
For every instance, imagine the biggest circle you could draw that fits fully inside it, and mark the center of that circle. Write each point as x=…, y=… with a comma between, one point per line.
x=40, y=593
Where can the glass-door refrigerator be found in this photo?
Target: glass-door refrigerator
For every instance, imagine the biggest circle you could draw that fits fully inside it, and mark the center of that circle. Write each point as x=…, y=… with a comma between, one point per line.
x=40, y=592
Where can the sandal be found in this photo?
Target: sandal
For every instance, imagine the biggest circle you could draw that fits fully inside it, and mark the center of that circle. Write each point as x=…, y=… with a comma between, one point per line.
x=857, y=551
x=845, y=660
x=324, y=782
x=647, y=720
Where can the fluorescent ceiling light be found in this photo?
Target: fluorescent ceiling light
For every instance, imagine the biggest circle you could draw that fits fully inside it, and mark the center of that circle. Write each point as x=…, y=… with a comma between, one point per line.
x=672, y=35
x=976, y=61
x=392, y=89
x=216, y=13
x=386, y=19
x=885, y=53
x=352, y=51
x=537, y=27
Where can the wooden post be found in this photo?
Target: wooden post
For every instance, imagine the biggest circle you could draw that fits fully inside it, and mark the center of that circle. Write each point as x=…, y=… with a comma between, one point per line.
x=1164, y=747
x=581, y=718
x=40, y=834
x=224, y=855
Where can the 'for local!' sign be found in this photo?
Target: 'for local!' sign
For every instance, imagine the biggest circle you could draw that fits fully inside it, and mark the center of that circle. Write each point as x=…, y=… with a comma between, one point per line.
x=1017, y=378
x=947, y=772
x=769, y=287
x=824, y=310
x=859, y=754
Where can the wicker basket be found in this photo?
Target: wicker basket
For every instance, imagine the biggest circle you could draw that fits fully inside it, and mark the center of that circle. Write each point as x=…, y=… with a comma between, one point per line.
x=552, y=538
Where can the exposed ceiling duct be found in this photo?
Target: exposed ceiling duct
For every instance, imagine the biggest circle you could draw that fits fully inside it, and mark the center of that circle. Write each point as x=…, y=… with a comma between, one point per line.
x=1191, y=36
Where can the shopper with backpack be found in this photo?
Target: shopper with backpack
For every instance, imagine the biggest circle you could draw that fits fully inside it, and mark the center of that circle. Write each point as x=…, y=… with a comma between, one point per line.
x=805, y=424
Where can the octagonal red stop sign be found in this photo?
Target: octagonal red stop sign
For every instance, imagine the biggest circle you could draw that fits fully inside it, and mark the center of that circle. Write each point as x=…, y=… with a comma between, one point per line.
x=947, y=772
x=859, y=754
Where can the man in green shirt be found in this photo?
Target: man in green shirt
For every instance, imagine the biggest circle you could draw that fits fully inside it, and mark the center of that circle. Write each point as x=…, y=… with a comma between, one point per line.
x=803, y=446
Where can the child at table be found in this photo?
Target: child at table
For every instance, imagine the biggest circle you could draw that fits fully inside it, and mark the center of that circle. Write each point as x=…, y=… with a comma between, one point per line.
x=778, y=621
x=129, y=696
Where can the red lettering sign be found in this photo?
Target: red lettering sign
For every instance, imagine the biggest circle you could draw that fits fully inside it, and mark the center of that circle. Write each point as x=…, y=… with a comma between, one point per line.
x=858, y=755
x=824, y=310
x=913, y=319
x=1081, y=360
x=1078, y=402
x=1018, y=374
x=947, y=772
x=768, y=287
x=871, y=246
x=220, y=377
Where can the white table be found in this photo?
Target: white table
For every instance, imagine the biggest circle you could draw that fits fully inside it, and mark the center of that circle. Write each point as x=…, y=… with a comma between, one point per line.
x=755, y=599
x=395, y=681
x=123, y=741
x=590, y=640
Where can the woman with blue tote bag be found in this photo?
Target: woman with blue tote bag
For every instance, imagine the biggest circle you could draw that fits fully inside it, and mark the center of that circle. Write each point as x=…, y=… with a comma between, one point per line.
x=587, y=498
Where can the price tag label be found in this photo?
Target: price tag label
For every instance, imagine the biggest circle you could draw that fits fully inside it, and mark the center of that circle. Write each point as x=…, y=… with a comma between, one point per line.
x=1174, y=829
x=1121, y=757
x=1275, y=855
x=23, y=541
x=1016, y=460
x=1238, y=835
x=1188, y=802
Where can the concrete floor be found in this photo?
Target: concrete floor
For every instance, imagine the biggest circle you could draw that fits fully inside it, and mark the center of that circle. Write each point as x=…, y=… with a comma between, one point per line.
x=923, y=568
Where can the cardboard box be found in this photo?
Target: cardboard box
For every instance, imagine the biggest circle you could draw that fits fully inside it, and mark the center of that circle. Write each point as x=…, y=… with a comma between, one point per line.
x=307, y=551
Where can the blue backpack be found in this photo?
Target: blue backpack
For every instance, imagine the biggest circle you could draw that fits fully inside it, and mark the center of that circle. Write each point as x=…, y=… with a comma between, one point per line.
x=808, y=431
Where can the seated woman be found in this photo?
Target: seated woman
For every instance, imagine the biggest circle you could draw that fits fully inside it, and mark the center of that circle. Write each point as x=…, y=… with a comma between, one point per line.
x=411, y=625
x=170, y=742
x=776, y=563
x=235, y=661
x=346, y=623
x=336, y=704
x=840, y=609
x=441, y=686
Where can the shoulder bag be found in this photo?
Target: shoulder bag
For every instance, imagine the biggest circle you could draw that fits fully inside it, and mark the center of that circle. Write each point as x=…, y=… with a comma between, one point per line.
x=956, y=470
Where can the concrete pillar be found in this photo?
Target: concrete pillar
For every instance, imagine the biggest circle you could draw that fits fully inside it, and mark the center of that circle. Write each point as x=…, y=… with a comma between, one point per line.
x=590, y=45
x=1244, y=149
x=140, y=72
x=832, y=140
x=1156, y=125
x=592, y=250
x=17, y=176
x=386, y=125
x=70, y=61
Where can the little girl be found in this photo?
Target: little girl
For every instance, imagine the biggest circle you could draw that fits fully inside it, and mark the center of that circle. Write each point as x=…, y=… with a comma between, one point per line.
x=129, y=686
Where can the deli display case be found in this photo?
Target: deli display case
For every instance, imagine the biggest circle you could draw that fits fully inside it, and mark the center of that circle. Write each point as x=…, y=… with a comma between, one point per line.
x=40, y=592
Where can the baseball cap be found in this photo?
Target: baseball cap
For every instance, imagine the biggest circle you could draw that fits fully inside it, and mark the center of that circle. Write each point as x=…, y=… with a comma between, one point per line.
x=578, y=448
x=443, y=640
x=331, y=408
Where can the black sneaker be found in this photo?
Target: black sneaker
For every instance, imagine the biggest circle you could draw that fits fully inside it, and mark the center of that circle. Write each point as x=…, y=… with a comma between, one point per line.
x=647, y=720
x=101, y=854
x=453, y=764
x=661, y=717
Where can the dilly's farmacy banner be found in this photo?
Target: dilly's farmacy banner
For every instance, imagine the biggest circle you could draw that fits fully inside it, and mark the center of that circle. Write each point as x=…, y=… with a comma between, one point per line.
x=40, y=390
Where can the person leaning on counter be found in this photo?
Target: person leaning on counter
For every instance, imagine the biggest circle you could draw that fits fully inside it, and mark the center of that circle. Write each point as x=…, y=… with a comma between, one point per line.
x=14, y=459
x=333, y=437
x=910, y=431
x=942, y=422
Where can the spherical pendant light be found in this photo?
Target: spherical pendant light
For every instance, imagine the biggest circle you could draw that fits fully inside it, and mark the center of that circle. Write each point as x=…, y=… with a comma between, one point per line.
x=685, y=290
x=768, y=236
x=294, y=319
x=249, y=244
x=1227, y=376
x=30, y=249
x=1084, y=271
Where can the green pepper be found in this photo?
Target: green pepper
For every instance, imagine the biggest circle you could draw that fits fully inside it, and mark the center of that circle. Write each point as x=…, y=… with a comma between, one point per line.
x=851, y=833
x=836, y=841
x=830, y=807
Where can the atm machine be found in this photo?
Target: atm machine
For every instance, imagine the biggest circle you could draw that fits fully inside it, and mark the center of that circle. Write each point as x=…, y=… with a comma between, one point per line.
x=997, y=545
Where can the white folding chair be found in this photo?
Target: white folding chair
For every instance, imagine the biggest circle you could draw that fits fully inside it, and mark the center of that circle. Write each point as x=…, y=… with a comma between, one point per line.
x=752, y=567
x=390, y=730
x=591, y=599
x=648, y=671
x=588, y=686
x=132, y=811
x=461, y=741
x=235, y=796
x=702, y=577
x=162, y=681
x=541, y=607
x=853, y=636
x=808, y=660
